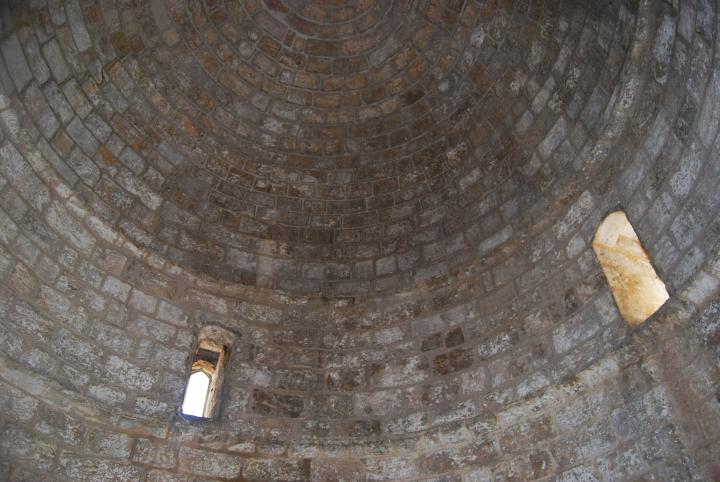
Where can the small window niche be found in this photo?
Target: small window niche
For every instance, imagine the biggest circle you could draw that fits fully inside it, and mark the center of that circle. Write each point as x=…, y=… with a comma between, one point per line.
x=202, y=392
x=638, y=290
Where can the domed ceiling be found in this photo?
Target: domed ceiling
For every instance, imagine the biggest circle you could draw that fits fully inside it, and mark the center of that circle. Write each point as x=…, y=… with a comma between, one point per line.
x=334, y=147
x=387, y=209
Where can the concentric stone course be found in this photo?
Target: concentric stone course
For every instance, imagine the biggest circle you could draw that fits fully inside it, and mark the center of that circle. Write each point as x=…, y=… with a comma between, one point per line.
x=391, y=204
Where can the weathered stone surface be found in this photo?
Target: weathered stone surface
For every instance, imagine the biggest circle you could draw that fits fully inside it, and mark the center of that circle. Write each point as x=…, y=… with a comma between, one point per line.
x=15, y=61
x=275, y=404
x=390, y=208
x=129, y=375
x=114, y=445
x=155, y=454
x=20, y=174
x=211, y=464
x=77, y=467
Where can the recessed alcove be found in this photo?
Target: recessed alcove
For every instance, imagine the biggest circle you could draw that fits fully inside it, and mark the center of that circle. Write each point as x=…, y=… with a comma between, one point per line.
x=207, y=372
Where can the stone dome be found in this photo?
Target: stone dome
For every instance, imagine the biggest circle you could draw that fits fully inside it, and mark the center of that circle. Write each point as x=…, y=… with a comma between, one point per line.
x=389, y=206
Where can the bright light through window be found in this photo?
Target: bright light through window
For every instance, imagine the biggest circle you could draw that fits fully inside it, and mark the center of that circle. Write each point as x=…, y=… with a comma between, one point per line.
x=638, y=290
x=196, y=394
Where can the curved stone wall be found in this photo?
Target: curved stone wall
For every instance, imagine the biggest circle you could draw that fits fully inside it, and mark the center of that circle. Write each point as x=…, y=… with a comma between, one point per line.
x=391, y=204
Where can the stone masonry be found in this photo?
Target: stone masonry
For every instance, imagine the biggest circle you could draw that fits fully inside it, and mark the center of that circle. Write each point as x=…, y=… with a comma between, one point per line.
x=391, y=205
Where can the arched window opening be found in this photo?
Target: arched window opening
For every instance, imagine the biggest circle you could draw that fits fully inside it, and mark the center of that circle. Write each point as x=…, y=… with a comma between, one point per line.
x=196, y=394
x=637, y=289
x=202, y=392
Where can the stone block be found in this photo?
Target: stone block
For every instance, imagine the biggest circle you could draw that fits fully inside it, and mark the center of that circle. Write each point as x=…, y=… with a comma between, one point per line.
x=278, y=469
x=452, y=361
x=79, y=467
x=16, y=170
x=142, y=301
x=56, y=61
x=298, y=379
x=82, y=136
x=27, y=448
x=337, y=469
x=16, y=404
x=15, y=60
x=77, y=25
x=209, y=464
x=401, y=372
x=71, y=229
x=154, y=453
x=128, y=375
x=150, y=328
x=269, y=403
x=40, y=111
x=110, y=444
x=116, y=288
